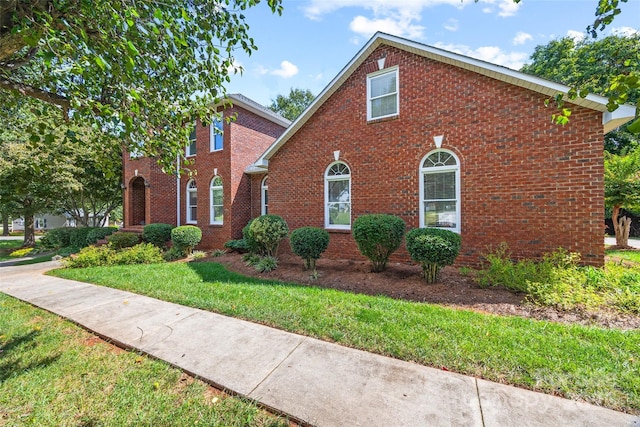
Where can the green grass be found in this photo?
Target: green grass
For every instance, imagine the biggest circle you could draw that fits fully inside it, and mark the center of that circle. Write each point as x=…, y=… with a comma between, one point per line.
x=53, y=373
x=584, y=363
x=628, y=255
x=8, y=246
x=36, y=259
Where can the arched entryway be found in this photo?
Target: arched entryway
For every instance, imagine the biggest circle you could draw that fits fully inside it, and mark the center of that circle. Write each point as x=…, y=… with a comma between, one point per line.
x=138, y=201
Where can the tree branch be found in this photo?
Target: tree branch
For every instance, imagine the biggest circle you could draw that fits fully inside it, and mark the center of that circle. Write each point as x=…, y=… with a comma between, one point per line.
x=42, y=95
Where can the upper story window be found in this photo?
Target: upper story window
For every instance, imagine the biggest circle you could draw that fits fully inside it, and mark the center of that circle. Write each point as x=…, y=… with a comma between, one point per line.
x=382, y=94
x=191, y=147
x=216, y=135
x=192, y=202
x=217, y=206
x=264, y=200
x=440, y=191
x=337, y=196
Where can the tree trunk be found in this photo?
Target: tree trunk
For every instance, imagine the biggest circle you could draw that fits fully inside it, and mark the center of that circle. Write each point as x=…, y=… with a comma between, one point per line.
x=621, y=227
x=5, y=225
x=29, y=231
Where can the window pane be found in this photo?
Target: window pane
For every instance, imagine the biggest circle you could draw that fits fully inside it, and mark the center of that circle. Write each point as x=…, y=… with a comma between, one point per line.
x=440, y=214
x=218, y=214
x=339, y=191
x=339, y=214
x=383, y=85
x=384, y=106
x=266, y=197
x=193, y=213
x=193, y=198
x=218, y=135
x=217, y=197
x=440, y=185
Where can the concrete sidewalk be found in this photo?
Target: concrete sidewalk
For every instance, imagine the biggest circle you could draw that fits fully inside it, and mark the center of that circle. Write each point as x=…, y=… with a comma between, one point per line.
x=312, y=381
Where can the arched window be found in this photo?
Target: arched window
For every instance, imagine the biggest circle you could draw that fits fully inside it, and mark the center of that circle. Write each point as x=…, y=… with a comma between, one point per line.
x=337, y=196
x=440, y=190
x=217, y=207
x=264, y=199
x=192, y=202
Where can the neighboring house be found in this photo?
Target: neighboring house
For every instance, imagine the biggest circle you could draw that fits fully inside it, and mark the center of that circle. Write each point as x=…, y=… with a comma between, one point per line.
x=217, y=196
x=43, y=222
x=437, y=138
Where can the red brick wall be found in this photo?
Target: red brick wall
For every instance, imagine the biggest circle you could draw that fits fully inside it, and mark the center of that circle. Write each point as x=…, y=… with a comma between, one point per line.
x=525, y=181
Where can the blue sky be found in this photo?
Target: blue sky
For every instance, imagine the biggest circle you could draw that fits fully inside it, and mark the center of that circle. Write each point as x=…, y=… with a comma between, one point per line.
x=313, y=40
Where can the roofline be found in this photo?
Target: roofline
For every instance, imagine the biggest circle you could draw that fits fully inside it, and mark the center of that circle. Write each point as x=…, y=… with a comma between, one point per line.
x=610, y=120
x=239, y=100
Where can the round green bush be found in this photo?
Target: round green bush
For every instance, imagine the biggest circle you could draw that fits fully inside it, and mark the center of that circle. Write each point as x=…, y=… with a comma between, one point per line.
x=79, y=236
x=57, y=238
x=377, y=237
x=123, y=239
x=309, y=243
x=186, y=237
x=157, y=234
x=433, y=248
x=250, y=243
x=99, y=233
x=268, y=231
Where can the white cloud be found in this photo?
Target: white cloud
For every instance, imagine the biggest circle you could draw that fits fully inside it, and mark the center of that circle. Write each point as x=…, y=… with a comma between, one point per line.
x=522, y=38
x=577, y=36
x=261, y=70
x=400, y=27
x=492, y=54
x=451, y=25
x=286, y=70
x=506, y=8
x=625, y=31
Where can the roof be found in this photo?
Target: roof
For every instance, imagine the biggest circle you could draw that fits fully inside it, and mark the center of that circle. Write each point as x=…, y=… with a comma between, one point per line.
x=240, y=100
x=610, y=120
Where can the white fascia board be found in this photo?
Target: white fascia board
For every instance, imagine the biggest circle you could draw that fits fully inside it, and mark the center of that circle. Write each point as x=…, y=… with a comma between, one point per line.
x=618, y=117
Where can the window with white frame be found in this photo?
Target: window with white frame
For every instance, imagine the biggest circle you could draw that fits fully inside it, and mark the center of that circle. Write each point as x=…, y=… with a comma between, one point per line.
x=216, y=135
x=217, y=206
x=192, y=202
x=264, y=199
x=337, y=196
x=191, y=146
x=382, y=94
x=440, y=191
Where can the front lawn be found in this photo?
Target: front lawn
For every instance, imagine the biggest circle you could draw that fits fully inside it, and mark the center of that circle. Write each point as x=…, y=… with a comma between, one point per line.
x=627, y=255
x=8, y=246
x=54, y=373
x=584, y=363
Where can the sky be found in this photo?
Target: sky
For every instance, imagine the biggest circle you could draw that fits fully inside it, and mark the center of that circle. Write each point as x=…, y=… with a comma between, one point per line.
x=310, y=43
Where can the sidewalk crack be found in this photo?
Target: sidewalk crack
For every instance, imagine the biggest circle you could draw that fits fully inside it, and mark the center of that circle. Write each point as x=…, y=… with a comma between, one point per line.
x=277, y=366
x=479, y=401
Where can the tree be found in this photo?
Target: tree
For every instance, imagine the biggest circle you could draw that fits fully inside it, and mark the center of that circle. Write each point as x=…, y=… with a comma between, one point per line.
x=293, y=105
x=591, y=65
x=622, y=189
x=141, y=71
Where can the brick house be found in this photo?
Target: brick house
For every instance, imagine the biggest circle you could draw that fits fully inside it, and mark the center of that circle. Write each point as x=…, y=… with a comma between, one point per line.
x=443, y=140
x=217, y=197
x=437, y=138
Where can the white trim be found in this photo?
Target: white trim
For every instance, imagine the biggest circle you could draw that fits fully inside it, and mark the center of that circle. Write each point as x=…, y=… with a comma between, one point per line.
x=380, y=73
x=213, y=133
x=264, y=188
x=438, y=169
x=189, y=190
x=193, y=142
x=220, y=187
x=327, y=179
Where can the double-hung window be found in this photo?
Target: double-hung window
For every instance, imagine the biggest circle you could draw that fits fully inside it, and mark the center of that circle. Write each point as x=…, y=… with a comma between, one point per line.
x=265, y=197
x=192, y=202
x=382, y=94
x=217, y=206
x=337, y=195
x=191, y=145
x=440, y=191
x=216, y=135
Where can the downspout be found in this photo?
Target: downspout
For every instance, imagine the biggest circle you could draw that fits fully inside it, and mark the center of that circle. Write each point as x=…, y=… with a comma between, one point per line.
x=178, y=190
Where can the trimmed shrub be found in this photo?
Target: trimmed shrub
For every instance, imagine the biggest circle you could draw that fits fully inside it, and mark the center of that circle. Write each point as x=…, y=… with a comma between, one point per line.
x=157, y=234
x=266, y=264
x=173, y=254
x=68, y=250
x=79, y=236
x=268, y=231
x=309, y=243
x=143, y=253
x=249, y=241
x=377, y=237
x=92, y=256
x=99, y=233
x=57, y=238
x=186, y=237
x=239, y=246
x=433, y=248
x=123, y=240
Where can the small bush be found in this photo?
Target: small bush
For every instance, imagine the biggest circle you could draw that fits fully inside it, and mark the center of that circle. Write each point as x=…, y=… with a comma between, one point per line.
x=268, y=231
x=249, y=241
x=250, y=259
x=123, y=240
x=239, y=246
x=377, y=237
x=143, y=253
x=186, y=237
x=218, y=252
x=157, y=234
x=19, y=253
x=433, y=248
x=68, y=250
x=99, y=233
x=196, y=255
x=92, y=256
x=173, y=254
x=266, y=264
x=57, y=238
x=309, y=243
x=79, y=236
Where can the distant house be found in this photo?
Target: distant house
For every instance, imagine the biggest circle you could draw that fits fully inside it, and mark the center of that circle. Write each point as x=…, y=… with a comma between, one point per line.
x=43, y=222
x=439, y=139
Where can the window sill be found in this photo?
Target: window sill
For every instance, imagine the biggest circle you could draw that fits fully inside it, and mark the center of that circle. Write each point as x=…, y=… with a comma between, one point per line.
x=338, y=230
x=216, y=224
x=383, y=119
x=216, y=151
